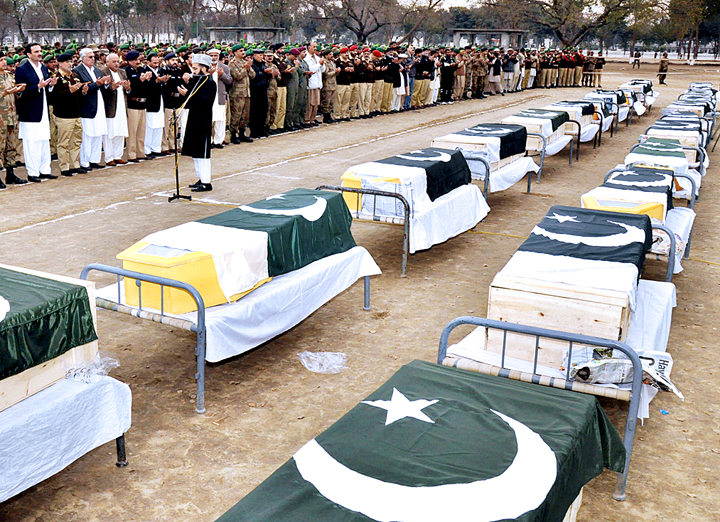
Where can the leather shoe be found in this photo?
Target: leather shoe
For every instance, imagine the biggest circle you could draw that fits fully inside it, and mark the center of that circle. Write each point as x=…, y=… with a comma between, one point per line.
x=245, y=139
x=235, y=140
x=34, y=179
x=48, y=176
x=133, y=160
x=83, y=170
x=110, y=163
x=196, y=184
x=96, y=166
x=12, y=179
x=2, y=185
x=67, y=173
x=203, y=187
x=120, y=162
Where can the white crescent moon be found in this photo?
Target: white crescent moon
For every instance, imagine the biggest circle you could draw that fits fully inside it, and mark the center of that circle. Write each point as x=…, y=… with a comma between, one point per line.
x=631, y=235
x=665, y=181
x=441, y=156
x=311, y=212
x=4, y=307
x=521, y=488
x=488, y=130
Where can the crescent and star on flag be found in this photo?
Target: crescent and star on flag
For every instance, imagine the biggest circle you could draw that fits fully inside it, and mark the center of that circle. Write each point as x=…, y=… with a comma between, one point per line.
x=533, y=471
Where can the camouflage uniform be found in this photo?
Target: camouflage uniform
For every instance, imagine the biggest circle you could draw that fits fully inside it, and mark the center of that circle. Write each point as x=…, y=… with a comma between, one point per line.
x=239, y=97
x=9, y=141
x=327, y=93
x=272, y=100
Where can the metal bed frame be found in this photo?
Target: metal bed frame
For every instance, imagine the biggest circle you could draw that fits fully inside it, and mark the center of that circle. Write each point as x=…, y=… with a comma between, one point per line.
x=198, y=327
x=535, y=378
x=690, y=204
x=486, y=164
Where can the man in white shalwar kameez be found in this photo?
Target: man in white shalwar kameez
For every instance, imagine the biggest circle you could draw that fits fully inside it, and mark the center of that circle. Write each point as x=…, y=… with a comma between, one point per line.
x=94, y=127
x=34, y=134
x=117, y=127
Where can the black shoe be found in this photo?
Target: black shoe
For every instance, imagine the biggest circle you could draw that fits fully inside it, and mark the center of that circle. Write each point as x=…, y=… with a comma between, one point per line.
x=67, y=173
x=12, y=179
x=53, y=157
x=96, y=166
x=150, y=156
x=2, y=185
x=83, y=170
x=502, y=93
x=203, y=187
x=19, y=164
x=327, y=118
x=48, y=176
x=235, y=140
x=196, y=184
x=218, y=146
x=34, y=179
x=245, y=139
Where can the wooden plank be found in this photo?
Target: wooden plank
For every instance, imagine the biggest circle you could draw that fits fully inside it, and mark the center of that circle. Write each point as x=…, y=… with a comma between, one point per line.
x=604, y=296
x=583, y=316
x=15, y=388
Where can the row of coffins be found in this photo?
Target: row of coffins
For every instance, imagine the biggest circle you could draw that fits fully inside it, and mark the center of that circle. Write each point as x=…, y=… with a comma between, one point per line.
x=244, y=276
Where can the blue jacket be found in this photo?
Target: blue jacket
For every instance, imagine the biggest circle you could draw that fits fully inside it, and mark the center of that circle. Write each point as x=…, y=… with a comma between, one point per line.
x=29, y=103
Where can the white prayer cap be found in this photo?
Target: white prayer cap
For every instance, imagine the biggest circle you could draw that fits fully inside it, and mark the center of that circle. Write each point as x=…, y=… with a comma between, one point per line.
x=202, y=59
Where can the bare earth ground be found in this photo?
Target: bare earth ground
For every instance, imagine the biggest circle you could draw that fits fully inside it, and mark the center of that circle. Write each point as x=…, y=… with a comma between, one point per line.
x=263, y=406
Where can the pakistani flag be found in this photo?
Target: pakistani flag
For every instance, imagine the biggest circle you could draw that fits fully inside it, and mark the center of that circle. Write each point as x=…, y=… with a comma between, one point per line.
x=40, y=319
x=556, y=117
x=441, y=444
x=586, y=108
x=592, y=234
x=300, y=226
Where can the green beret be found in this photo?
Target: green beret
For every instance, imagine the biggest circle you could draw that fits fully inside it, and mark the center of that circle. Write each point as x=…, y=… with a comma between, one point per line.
x=9, y=60
x=237, y=47
x=124, y=46
x=182, y=48
x=48, y=58
x=151, y=54
x=336, y=52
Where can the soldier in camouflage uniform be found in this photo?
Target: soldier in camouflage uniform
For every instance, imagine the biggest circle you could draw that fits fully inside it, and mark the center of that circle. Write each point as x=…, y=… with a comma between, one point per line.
x=329, y=81
x=292, y=89
x=302, y=91
x=9, y=141
x=242, y=72
x=272, y=90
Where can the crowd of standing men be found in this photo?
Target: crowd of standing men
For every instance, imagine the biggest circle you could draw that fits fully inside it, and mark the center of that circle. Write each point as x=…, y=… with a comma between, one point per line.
x=126, y=101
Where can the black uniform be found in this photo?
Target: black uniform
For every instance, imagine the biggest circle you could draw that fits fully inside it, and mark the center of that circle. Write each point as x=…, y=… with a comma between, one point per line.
x=198, y=132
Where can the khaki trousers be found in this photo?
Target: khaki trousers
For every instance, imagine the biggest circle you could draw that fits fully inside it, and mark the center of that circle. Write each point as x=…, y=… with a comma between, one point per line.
x=365, y=99
x=354, y=99
x=419, y=92
x=343, y=101
x=280, y=109
x=578, y=76
x=136, y=134
x=598, y=78
x=386, y=97
x=69, y=139
x=458, y=87
x=377, y=92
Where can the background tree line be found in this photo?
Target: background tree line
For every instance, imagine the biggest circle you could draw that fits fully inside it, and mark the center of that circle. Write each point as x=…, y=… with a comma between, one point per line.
x=654, y=23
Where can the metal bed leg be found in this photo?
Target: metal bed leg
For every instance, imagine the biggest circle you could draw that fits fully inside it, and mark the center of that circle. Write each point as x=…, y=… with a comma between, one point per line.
x=406, y=243
x=572, y=142
x=200, y=374
x=628, y=441
x=367, y=293
x=121, y=456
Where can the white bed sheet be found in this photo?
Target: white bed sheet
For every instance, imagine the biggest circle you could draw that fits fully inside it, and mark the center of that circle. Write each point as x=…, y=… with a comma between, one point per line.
x=556, y=146
x=588, y=132
x=546, y=124
x=649, y=331
x=489, y=144
x=504, y=177
x=276, y=306
x=680, y=220
x=680, y=165
x=48, y=431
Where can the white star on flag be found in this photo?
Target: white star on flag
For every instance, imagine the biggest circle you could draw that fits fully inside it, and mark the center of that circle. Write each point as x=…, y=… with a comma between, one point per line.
x=399, y=407
x=563, y=219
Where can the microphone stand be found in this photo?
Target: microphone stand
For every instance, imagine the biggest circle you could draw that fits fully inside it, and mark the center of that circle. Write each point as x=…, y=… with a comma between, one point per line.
x=176, y=116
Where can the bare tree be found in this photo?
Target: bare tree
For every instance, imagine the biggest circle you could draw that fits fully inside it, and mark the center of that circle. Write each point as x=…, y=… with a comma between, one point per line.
x=418, y=11
x=362, y=17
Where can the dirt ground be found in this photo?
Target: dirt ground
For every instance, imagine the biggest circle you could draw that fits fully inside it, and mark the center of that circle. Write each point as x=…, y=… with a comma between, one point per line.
x=263, y=406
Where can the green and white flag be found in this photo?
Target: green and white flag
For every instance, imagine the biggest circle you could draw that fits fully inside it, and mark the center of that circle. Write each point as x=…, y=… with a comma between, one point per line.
x=441, y=444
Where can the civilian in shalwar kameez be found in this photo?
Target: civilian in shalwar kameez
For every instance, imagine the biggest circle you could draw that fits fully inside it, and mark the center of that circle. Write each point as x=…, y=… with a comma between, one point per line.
x=198, y=134
x=33, y=115
x=92, y=110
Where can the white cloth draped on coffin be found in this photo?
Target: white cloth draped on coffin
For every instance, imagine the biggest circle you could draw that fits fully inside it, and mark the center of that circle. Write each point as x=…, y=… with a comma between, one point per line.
x=546, y=124
x=584, y=273
x=276, y=306
x=240, y=256
x=48, y=431
x=504, y=177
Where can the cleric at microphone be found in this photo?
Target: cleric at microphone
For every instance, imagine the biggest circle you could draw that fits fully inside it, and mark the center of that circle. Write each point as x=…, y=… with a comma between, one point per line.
x=201, y=95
